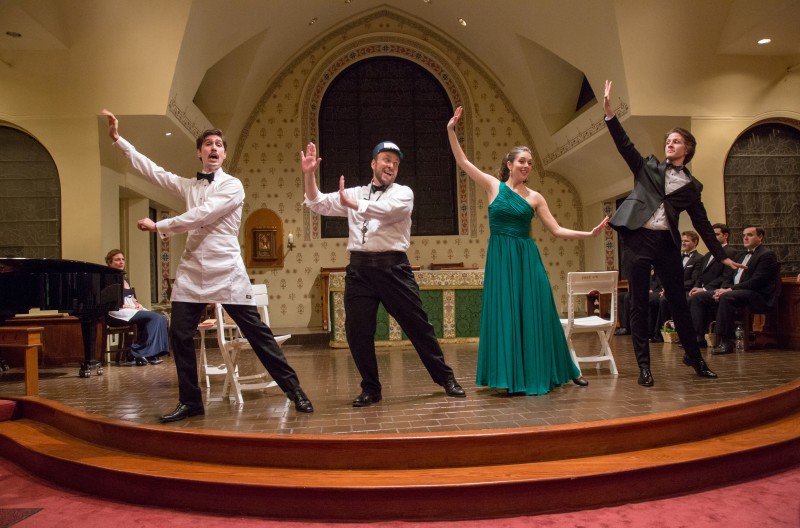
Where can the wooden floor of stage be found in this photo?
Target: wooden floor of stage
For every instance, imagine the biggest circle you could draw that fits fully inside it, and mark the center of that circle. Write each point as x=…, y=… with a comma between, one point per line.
x=412, y=402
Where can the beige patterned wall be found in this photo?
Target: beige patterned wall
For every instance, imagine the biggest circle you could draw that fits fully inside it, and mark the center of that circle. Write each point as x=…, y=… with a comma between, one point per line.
x=266, y=159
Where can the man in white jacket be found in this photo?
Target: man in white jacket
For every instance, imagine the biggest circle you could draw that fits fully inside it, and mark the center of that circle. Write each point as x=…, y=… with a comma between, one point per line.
x=211, y=269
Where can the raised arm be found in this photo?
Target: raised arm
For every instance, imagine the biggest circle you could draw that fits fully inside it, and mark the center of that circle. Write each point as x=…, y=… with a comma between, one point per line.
x=549, y=221
x=487, y=182
x=309, y=163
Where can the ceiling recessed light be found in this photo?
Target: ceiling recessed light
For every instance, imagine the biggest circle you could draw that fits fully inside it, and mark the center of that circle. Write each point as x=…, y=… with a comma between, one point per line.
x=13, y=34
x=312, y=21
x=764, y=41
x=462, y=22
x=167, y=133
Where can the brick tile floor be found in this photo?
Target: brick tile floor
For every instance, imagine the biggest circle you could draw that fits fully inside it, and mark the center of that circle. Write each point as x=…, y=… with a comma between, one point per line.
x=412, y=402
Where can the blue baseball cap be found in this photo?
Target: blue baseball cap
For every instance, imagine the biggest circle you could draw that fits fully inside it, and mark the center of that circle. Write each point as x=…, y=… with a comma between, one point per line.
x=386, y=146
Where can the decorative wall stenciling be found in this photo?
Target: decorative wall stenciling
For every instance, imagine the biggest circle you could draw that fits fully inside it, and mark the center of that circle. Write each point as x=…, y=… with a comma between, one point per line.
x=266, y=160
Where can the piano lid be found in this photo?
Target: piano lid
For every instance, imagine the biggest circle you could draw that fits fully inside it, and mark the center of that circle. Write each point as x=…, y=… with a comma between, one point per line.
x=28, y=265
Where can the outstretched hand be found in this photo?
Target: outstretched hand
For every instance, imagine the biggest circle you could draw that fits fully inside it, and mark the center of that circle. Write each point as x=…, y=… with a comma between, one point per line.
x=308, y=159
x=607, y=100
x=451, y=125
x=344, y=198
x=733, y=264
x=602, y=225
x=113, y=124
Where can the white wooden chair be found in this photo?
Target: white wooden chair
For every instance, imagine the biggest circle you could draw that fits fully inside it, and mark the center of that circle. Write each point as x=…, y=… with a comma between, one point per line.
x=211, y=326
x=579, y=285
x=231, y=347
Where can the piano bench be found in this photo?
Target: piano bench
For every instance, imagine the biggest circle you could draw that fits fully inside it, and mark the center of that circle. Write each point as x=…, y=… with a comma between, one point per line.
x=29, y=339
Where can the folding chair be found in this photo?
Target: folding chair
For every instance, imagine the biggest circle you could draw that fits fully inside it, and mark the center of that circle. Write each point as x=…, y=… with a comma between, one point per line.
x=581, y=284
x=230, y=348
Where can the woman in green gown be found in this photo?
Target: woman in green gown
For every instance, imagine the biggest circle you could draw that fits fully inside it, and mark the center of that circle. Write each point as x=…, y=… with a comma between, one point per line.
x=522, y=345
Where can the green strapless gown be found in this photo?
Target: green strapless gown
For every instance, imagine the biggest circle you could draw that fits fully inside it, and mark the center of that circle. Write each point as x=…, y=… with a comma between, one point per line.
x=522, y=346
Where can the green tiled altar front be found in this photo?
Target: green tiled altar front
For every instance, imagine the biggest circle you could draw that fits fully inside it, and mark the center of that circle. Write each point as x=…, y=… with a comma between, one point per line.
x=452, y=299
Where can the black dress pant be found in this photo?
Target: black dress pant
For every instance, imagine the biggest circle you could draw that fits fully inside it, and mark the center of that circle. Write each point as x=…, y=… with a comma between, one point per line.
x=704, y=308
x=645, y=248
x=387, y=278
x=183, y=326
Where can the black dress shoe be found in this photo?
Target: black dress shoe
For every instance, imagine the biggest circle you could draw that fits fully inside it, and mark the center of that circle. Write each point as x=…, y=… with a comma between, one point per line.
x=301, y=401
x=140, y=362
x=580, y=381
x=452, y=388
x=155, y=360
x=725, y=347
x=622, y=331
x=700, y=367
x=182, y=411
x=645, y=377
x=366, y=399
x=657, y=339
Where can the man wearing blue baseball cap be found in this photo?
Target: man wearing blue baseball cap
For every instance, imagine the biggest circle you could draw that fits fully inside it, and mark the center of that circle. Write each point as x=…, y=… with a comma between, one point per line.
x=379, y=220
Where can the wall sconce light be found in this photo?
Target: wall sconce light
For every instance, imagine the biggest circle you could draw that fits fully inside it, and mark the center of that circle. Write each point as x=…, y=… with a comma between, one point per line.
x=290, y=241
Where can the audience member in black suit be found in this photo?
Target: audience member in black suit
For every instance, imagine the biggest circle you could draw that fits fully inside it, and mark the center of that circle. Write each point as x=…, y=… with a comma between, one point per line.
x=713, y=273
x=691, y=259
x=648, y=222
x=652, y=307
x=753, y=286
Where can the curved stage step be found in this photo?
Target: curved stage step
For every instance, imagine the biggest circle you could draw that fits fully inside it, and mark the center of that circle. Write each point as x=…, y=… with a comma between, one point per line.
x=430, y=476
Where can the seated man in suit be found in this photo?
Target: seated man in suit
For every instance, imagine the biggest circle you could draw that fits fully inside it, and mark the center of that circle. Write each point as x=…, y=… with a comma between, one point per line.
x=691, y=270
x=652, y=307
x=753, y=286
x=713, y=273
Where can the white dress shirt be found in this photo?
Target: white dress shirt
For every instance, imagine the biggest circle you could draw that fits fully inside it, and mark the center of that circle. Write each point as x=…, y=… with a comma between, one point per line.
x=211, y=269
x=385, y=214
x=674, y=180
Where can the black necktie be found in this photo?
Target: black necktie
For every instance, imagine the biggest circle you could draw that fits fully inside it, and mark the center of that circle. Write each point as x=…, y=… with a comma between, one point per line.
x=376, y=188
x=202, y=176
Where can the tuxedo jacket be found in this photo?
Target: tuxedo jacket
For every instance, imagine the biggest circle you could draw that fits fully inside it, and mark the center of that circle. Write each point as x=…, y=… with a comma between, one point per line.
x=649, y=178
x=712, y=275
x=760, y=276
x=692, y=269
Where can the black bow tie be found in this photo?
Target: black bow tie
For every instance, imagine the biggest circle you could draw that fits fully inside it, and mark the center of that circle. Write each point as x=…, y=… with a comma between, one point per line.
x=676, y=168
x=376, y=188
x=202, y=176
x=749, y=251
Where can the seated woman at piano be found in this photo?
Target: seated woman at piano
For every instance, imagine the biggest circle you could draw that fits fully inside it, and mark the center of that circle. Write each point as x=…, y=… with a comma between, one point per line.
x=152, y=340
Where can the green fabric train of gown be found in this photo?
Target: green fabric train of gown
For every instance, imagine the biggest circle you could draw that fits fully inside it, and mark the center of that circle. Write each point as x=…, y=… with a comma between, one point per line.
x=522, y=346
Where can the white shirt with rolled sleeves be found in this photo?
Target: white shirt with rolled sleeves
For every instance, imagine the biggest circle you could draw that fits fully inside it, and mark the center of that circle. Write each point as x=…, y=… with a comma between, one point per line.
x=387, y=215
x=211, y=269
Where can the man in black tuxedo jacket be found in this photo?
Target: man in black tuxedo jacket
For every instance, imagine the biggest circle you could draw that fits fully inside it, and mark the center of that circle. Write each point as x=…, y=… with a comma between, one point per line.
x=690, y=259
x=713, y=273
x=754, y=286
x=648, y=223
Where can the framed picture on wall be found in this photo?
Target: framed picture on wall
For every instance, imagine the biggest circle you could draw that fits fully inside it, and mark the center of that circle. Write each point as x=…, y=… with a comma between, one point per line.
x=264, y=243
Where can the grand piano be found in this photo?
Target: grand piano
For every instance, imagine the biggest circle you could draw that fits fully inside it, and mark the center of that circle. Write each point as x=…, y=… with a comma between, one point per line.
x=81, y=289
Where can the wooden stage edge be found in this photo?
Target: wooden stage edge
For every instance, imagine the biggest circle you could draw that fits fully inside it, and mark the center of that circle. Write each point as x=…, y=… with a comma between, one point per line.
x=426, y=476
